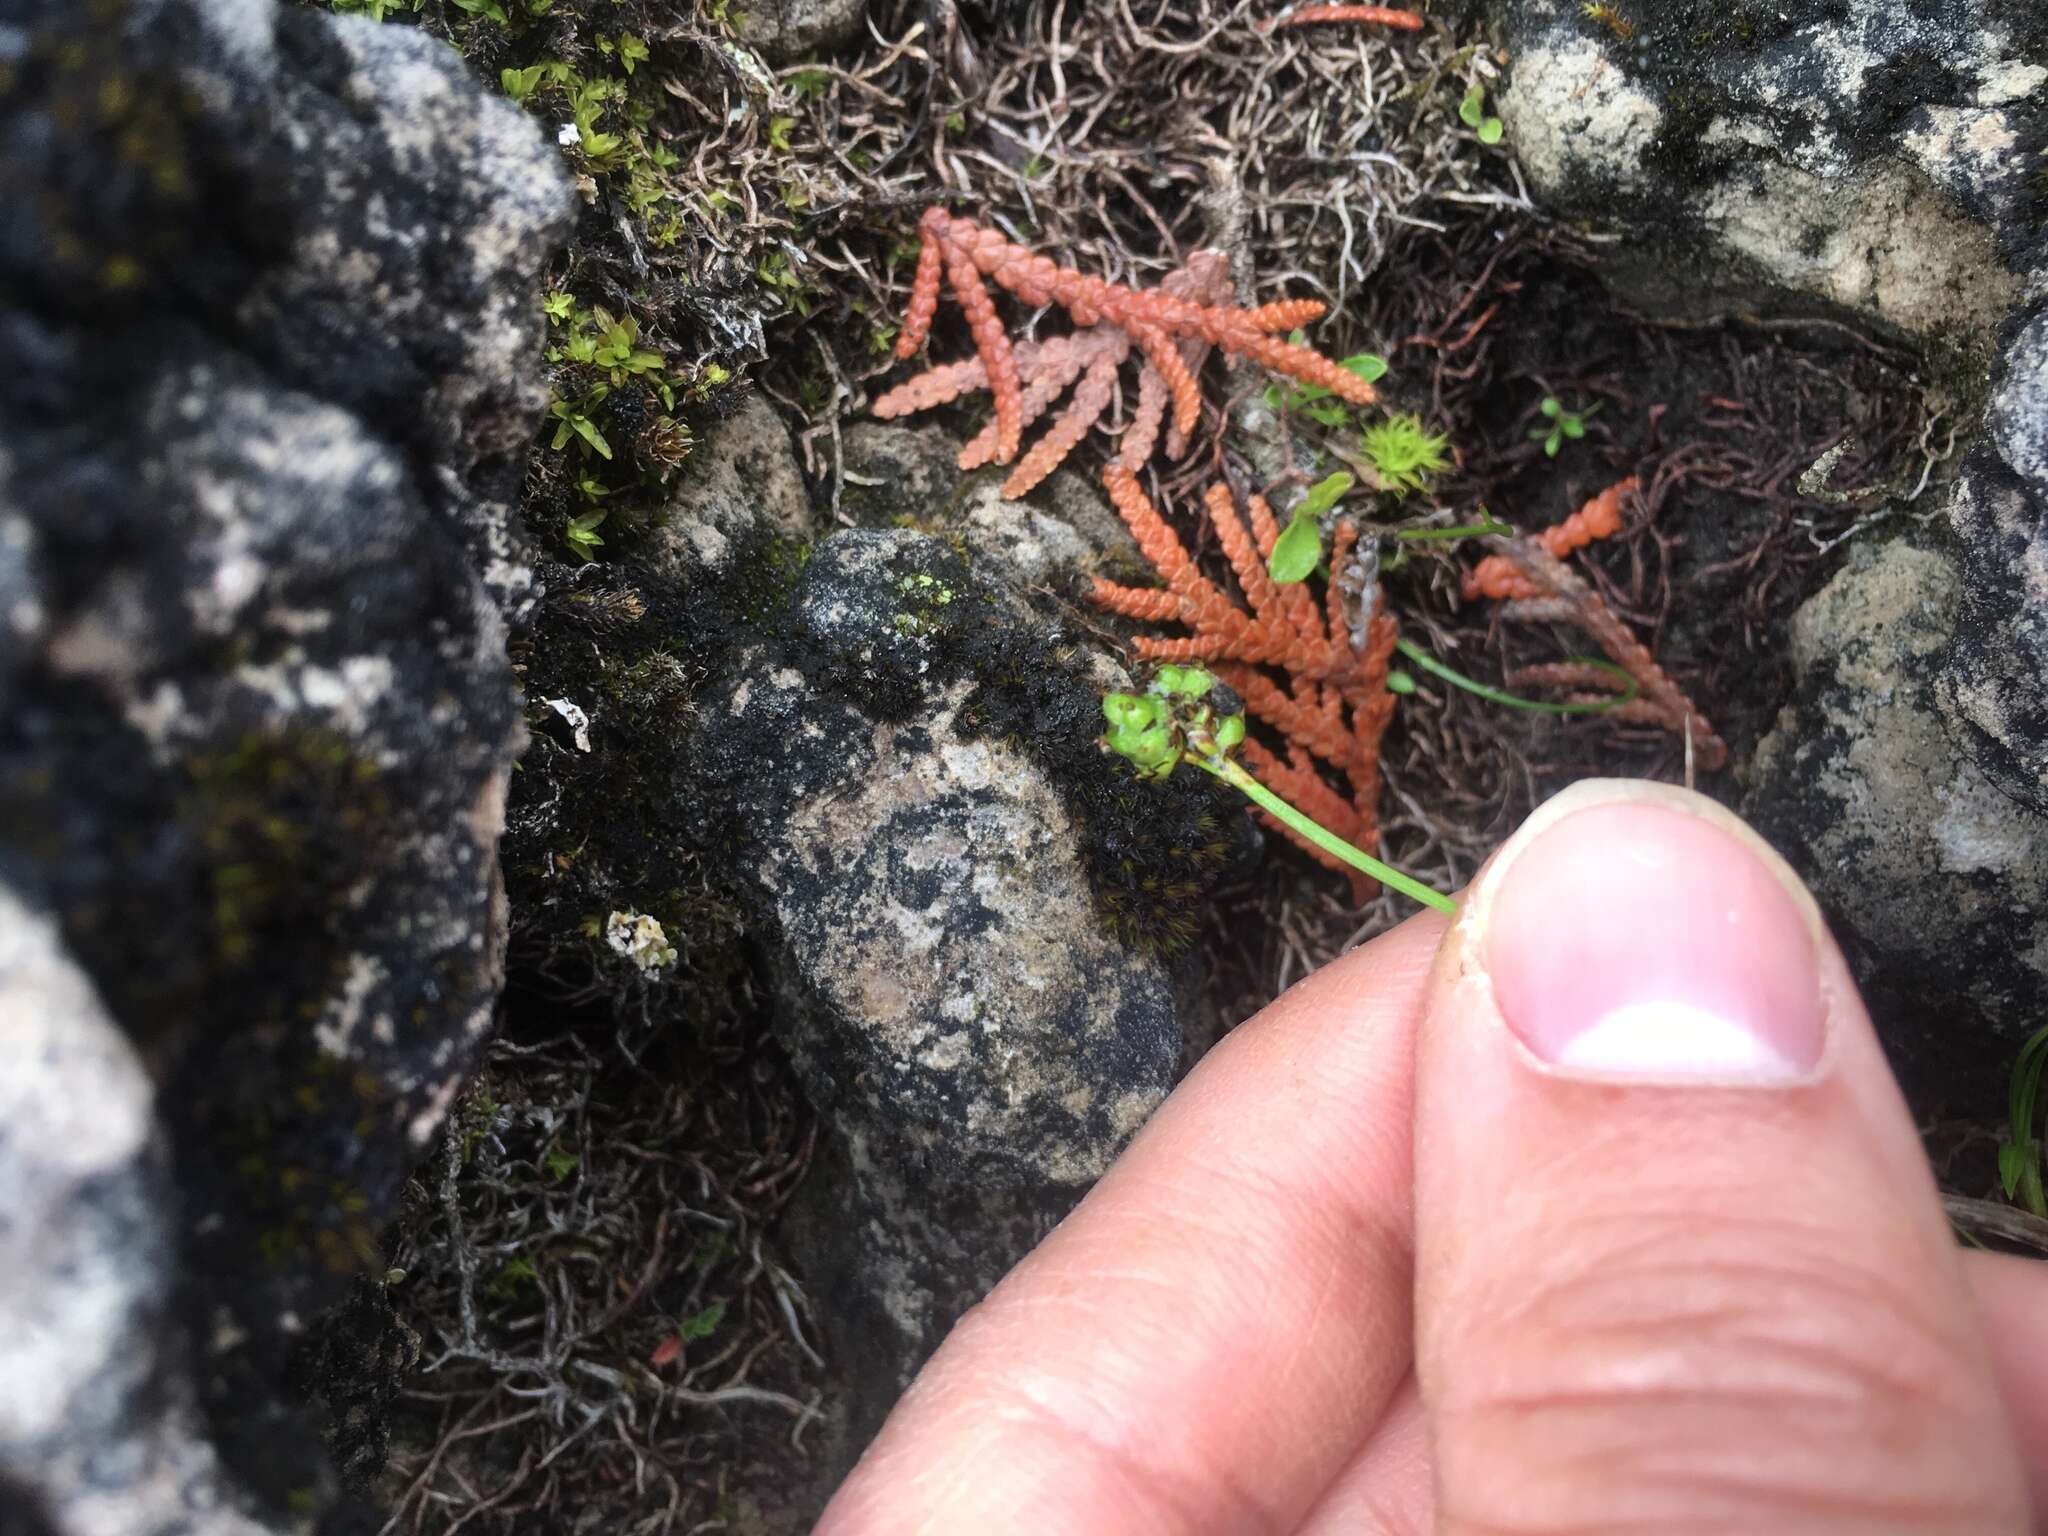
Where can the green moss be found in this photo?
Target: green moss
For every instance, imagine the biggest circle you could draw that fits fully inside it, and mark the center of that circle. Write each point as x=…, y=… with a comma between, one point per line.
x=283, y=819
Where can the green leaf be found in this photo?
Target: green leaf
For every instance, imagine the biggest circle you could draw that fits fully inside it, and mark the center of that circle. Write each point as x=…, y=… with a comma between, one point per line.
x=1472, y=106
x=2012, y=1162
x=587, y=430
x=1324, y=494
x=1298, y=549
x=521, y=83
x=1366, y=365
x=1572, y=427
x=558, y=1160
x=1551, y=444
x=1399, y=681
x=631, y=51
x=778, y=132
x=703, y=1324
x=1490, y=131
x=1551, y=407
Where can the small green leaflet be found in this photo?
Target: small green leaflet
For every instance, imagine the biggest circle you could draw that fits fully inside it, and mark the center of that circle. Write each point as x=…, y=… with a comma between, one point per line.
x=702, y=1324
x=1299, y=549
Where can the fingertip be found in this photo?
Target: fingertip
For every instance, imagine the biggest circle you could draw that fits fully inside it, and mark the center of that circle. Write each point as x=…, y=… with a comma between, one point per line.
x=1640, y=931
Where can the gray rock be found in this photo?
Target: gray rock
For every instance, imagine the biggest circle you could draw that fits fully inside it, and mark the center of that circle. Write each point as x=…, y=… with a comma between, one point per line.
x=1936, y=879
x=1066, y=529
x=275, y=343
x=980, y=1047
x=1993, y=679
x=1882, y=165
x=742, y=492
x=786, y=30
x=95, y=1417
x=1868, y=157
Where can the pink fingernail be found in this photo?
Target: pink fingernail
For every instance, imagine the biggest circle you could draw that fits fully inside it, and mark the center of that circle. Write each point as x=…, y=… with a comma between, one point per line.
x=1642, y=933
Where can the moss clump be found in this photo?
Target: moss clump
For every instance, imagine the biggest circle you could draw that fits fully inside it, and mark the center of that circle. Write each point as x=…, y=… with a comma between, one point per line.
x=284, y=821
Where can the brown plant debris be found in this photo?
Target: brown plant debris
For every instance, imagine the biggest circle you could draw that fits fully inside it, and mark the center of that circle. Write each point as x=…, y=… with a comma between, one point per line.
x=1172, y=326
x=1530, y=577
x=1333, y=710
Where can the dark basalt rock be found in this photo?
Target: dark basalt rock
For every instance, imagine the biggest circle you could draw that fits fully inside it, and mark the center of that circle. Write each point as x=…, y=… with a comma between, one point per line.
x=268, y=293
x=978, y=1043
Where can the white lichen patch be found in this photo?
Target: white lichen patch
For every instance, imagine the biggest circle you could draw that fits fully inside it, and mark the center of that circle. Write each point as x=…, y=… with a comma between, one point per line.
x=577, y=721
x=1882, y=240
x=640, y=939
x=348, y=693
x=343, y=1015
x=1572, y=113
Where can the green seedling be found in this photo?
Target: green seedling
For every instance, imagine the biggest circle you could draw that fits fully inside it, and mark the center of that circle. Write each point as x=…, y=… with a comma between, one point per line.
x=1472, y=113
x=1175, y=720
x=581, y=533
x=1563, y=424
x=1315, y=402
x=2019, y=1155
x=1299, y=549
x=572, y=420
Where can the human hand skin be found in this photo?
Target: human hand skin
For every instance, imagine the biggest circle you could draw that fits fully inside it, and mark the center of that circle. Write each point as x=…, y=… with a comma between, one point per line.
x=1416, y=1249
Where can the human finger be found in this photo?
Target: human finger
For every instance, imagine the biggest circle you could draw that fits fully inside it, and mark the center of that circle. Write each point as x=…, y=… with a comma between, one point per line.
x=1388, y=1488
x=1681, y=1265
x=2012, y=1301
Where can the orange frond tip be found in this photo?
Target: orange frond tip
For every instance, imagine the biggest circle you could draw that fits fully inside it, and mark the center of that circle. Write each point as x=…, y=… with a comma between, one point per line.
x=1368, y=15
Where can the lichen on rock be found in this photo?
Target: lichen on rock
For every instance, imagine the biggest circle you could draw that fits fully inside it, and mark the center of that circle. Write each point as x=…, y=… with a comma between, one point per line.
x=980, y=1045
x=1875, y=158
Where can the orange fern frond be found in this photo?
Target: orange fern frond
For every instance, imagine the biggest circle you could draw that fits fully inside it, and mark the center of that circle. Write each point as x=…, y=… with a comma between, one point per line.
x=1529, y=575
x=1172, y=327
x=1497, y=578
x=1328, y=703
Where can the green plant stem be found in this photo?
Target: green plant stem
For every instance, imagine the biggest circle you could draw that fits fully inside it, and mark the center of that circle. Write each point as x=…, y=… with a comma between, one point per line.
x=1468, y=531
x=1456, y=679
x=1231, y=773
